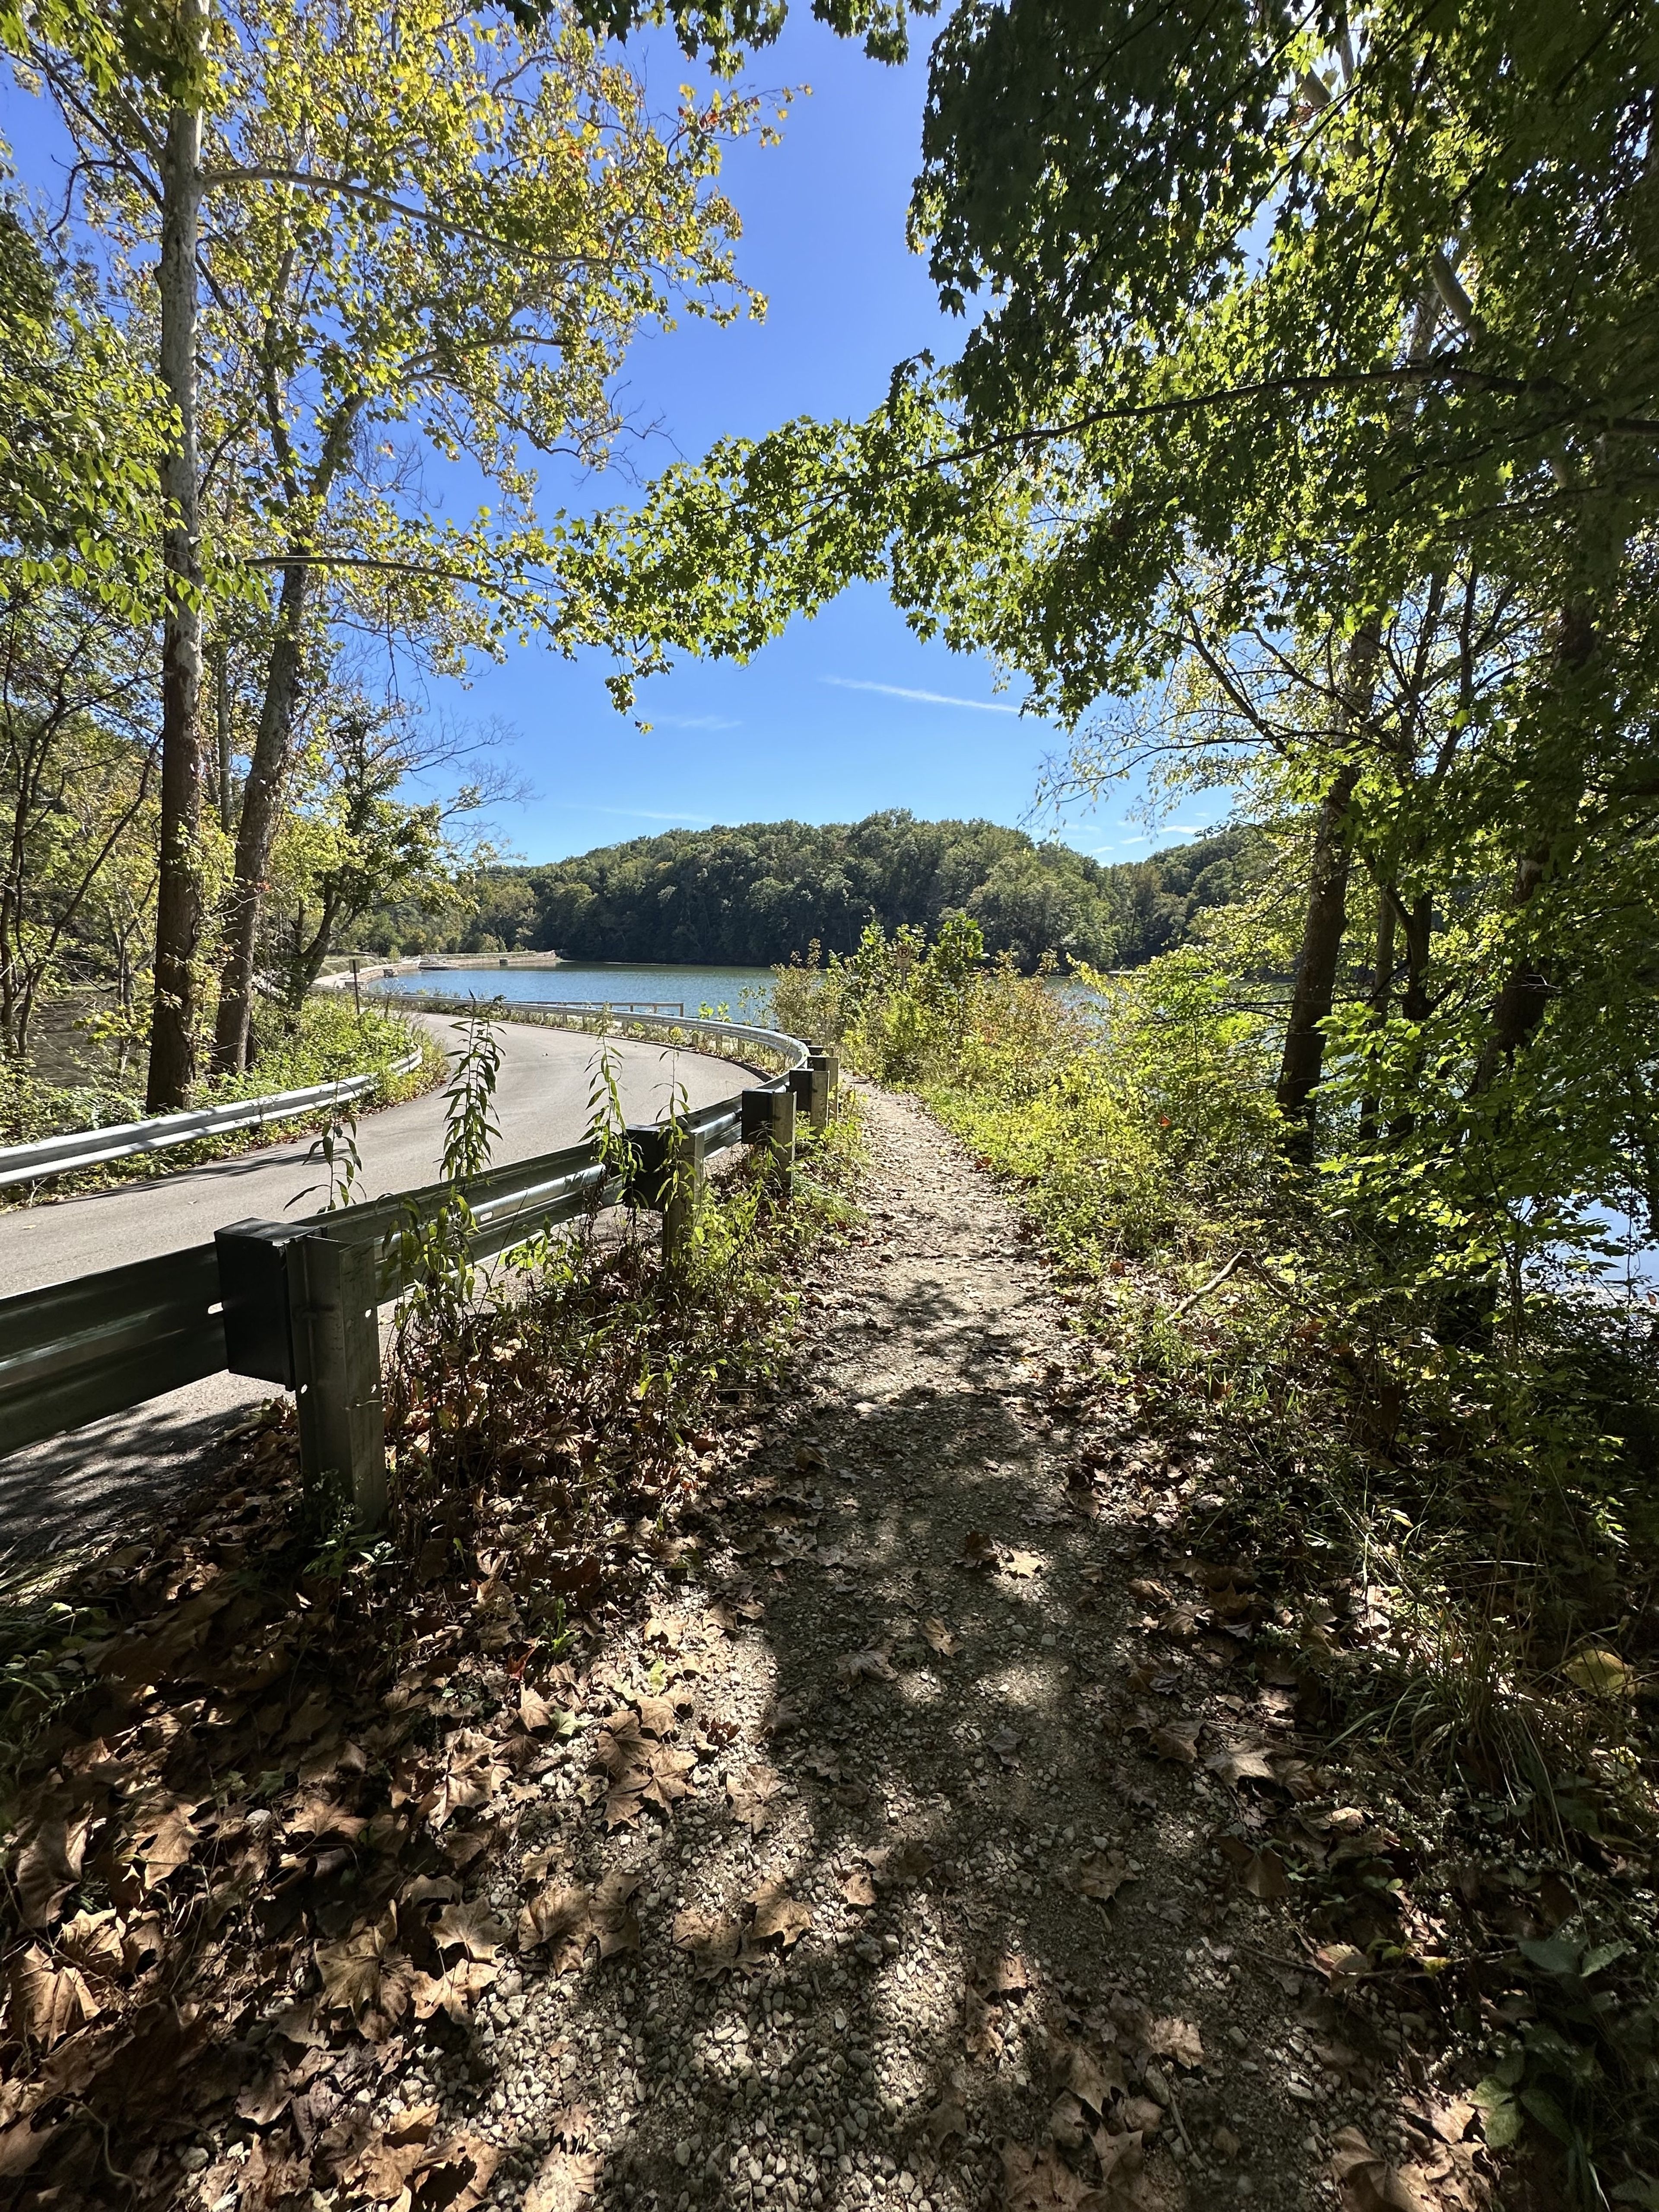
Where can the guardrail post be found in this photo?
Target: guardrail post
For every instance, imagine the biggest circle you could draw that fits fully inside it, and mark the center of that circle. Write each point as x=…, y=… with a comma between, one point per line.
x=768, y=1120
x=824, y=1069
x=334, y=1317
x=669, y=1176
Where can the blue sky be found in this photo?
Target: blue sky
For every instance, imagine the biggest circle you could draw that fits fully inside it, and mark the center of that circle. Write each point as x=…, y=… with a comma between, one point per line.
x=844, y=715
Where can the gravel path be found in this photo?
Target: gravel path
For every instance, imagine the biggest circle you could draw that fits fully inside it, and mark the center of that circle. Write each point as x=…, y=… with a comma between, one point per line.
x=883, y=1866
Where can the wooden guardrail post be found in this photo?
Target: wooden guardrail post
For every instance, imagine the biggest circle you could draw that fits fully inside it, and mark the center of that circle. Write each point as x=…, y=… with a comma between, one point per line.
x=669, y=1174
x=768, y=1120
x=333, y=1310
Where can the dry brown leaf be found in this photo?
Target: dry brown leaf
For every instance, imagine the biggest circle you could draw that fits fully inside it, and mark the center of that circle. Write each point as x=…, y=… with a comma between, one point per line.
x=777, y=1914
x=264, y=2101
x=1009, y=1977
x=709, y=1940
x=556, y=1916
x=978, y=1550
x=752, y=1795
x=1041, y=2181
x=1241, y=1762
x=871, y=1666
x=1101, y=1875
x=534, y=1711
x=455, y=1991
x=611, y=1914
x=657, y=1716
x=455, y=2175
x=1175, y=2038
x=166, y=1836
x=1367, y=2182
x=473, y=1925
x=49, y=1866
x=364, y=1972
x=96, y=1940
x=857, y=1889
x=1023, y=1564
x=1091, y=2078
x=948, y=2118
x=942, y=1638
x=48, y=2002
x=564, y=2181
x=1177, y=1743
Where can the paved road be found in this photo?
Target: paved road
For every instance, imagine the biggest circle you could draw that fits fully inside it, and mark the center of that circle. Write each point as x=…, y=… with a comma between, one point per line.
x=78, y=1487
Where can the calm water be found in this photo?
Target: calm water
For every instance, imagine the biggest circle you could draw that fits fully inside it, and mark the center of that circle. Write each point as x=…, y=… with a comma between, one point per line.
x=744, y=993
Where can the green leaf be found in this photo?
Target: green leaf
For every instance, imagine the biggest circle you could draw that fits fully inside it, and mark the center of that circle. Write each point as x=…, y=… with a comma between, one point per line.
x=1501, y=2123
x=1552, y=1954
x=1638, y=2191
x=1602, y=1954
x=1547, y=2113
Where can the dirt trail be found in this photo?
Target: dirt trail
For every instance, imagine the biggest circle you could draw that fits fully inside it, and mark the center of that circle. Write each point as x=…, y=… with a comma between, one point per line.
x=978, y=1914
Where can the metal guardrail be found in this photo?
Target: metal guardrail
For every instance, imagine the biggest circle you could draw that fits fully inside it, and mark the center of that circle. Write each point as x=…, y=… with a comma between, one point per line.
x=295, y=1302
x=122, y=1140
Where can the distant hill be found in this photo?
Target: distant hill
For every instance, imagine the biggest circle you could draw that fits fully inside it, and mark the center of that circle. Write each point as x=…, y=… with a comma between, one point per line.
x=763, y=891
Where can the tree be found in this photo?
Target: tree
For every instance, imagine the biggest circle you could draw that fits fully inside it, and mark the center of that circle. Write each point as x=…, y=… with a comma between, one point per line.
x=369, y=221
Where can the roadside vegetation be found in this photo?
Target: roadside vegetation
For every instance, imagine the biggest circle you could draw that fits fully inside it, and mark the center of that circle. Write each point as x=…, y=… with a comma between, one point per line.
x=323, y=1040
x=300, y=1746
x=1435, y=1467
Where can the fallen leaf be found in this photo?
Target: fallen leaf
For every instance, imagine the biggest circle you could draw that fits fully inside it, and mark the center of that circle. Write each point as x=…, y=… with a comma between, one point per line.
x=857, y=1889
x=1341, y=1962
x=656, y=1716
x=752, y=1795
x=1101, y=1875
x=1009, y=1977
x=1262, y=1873
x=48, y=2002
x=564, y=2181
x=1041, y=2181
x=978, y=1550
x=455, y=1991
x=1091, y=2079
x=1175, y=2038
x=534, y=1711
x=1599, y=1672
x=1366, y=2182
x=1022, y=1564
x=941, y=1638
x=871, y=1666
x=49, y=1866
x=166, y=1836
x=473, y=1925
x=777, y=1914
x=611, y=1915
x=556, y=1916
x=709, y=1940
x=455, y=2176
x=1178, y=1741
x=1242, y=1763
x=948, y=2119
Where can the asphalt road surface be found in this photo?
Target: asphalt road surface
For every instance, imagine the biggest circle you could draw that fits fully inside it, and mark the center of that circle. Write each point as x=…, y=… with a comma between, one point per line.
x=76, y=1489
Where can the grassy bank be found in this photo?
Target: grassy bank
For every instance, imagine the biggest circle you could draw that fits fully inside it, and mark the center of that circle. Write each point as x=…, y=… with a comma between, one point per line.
x=1448, y=1503
x=325, y=1041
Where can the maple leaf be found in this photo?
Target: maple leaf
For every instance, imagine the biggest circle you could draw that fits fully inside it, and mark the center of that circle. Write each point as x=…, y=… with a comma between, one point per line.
x=48, y=2002
x=455, y=1991
x=1178, y=1741
x=751, y=1796
x=556, y=1916
x=1241, y=1762
x=611, y=1914
x=1261, y=1873
x=49, y=1866
x=871, y=1666
x=472, y=1925
x=1175, y=2038
x=777, y=1914
x=657, y=1716
x=710, y=1939
x=858, y=1890
x=363, y=1972
x=948, y=2118
x=1023, y=1564
x=978, y=1550
x=166, y=1838
x=943, y=1639
x=564, y=2181
x=1367, y=2182
x=1101, y=1875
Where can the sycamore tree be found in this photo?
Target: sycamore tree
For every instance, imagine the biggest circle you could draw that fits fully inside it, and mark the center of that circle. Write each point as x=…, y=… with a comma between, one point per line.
x=352, y=237
x=1314, y=368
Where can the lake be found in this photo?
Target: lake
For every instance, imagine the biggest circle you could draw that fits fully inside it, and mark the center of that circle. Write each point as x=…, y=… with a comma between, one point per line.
x=744, y=994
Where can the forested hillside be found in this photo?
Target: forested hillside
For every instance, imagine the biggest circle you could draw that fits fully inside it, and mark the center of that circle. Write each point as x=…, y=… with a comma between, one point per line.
x=766, y=891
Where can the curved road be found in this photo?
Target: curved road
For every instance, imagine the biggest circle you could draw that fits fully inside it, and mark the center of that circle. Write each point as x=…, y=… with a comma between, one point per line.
x=76, y=1487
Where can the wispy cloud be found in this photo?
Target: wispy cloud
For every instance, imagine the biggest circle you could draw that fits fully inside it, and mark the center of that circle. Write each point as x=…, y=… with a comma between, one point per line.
x=926, y=698
x=629, y=813
x=697, y=722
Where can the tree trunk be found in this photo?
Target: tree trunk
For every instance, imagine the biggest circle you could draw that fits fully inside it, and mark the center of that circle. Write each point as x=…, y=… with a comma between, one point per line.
x=255, y=832
x=262, y=797
x=179, y=894
x=1315, y=986
x=1382, y=994
x=1524, y=997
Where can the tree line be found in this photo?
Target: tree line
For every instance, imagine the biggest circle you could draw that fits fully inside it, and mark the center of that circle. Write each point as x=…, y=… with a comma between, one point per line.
x=767, y=891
